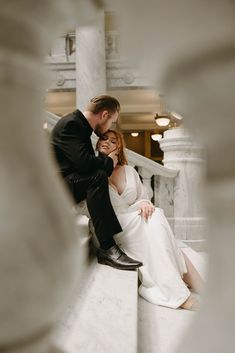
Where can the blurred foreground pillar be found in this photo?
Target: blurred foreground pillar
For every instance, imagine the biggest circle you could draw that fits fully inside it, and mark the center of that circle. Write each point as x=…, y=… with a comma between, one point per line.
x=41, y=259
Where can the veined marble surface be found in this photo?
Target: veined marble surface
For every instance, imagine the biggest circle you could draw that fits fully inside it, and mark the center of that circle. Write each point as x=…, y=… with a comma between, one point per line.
x=91, y=70
x=104, y=318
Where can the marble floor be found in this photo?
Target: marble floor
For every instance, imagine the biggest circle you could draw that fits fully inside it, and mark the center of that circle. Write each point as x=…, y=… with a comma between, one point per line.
x=103, y=319
x=161, y=329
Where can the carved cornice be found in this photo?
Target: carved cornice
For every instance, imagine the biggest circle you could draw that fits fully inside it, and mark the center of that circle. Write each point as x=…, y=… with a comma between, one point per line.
x=119, y=73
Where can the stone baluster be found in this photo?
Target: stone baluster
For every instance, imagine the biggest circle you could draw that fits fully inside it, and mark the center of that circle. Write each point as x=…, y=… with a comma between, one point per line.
x=164, y=196
x=90, y=61
x=181, y=153
x=40, y=256
x=146, y=179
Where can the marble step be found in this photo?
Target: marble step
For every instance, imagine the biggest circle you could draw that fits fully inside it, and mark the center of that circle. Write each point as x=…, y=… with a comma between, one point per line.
x=104, y=317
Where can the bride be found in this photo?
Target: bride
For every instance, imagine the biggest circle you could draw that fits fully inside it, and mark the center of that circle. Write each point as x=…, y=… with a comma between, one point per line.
x=167, y=276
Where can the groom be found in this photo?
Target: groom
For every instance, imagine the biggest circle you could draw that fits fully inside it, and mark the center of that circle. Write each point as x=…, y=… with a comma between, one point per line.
x=86, y=175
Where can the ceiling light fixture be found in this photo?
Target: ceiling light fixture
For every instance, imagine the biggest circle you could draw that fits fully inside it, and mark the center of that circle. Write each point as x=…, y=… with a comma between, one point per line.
x=161, y=120
x=134, y=134
x=156, y=137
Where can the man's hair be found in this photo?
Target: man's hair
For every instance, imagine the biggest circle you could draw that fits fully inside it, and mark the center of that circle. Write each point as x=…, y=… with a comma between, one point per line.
x=103, y=102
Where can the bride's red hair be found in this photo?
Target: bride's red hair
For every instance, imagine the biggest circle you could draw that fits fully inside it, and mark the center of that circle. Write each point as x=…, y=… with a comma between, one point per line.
x=122, y=160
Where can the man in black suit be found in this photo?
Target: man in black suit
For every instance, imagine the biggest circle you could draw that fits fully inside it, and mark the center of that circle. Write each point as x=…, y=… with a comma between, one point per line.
x=86, y=175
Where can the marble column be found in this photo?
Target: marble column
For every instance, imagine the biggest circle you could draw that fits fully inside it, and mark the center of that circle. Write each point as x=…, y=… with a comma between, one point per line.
x=181, y=153
x=90, y=61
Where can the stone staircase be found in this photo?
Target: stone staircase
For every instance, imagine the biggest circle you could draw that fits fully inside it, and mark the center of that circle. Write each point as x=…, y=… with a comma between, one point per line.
x=109, y=316
x=102, y=317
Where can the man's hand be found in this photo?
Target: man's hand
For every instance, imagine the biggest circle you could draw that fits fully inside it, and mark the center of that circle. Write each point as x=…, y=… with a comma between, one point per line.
x=114, y=157
x=146, y=210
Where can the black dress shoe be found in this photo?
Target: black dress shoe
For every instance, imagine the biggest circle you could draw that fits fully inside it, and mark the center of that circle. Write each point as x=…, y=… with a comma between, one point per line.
x=116, y=258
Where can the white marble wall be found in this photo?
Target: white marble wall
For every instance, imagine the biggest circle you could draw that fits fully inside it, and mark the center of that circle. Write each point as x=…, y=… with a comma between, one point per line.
x=63, y=77
x=90, y=69
x=185, y=155
x=60, y=62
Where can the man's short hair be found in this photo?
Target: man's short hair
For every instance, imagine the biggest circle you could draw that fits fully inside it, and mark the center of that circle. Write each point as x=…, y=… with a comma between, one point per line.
x=103, y=102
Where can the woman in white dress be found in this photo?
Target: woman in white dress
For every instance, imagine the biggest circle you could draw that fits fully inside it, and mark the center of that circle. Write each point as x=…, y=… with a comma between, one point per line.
x=167, y=275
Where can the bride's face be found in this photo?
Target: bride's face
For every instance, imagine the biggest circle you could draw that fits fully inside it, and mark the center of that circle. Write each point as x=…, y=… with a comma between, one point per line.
x=107, y=143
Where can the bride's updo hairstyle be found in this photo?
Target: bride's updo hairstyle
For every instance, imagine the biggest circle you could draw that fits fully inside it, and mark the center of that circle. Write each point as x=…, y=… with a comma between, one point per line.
x=120, y=146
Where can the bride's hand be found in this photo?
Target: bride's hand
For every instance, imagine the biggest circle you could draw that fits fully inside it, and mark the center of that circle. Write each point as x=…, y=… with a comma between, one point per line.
x=114, y=156
x=146, y=210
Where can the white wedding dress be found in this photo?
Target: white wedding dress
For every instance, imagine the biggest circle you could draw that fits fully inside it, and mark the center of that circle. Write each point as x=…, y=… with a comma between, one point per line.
x=151, y=242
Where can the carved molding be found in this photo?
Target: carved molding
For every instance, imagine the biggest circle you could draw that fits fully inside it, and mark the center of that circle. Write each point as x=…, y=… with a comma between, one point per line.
x=119, y=74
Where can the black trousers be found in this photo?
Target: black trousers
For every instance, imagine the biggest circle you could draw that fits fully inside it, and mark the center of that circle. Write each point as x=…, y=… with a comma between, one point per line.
x=94, y=188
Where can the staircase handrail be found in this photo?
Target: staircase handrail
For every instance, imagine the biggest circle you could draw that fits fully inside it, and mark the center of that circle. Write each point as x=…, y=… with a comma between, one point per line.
x=134, y=158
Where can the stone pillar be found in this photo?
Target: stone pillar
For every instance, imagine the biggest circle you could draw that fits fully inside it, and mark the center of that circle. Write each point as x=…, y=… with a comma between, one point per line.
x=90, y=61
x=181, y=153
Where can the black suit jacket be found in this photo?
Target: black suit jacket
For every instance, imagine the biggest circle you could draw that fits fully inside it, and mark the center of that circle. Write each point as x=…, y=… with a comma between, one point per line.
x=73, y=148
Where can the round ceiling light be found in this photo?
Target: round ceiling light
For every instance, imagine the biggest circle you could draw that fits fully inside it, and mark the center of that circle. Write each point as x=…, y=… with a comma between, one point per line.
x=134, y=134
x=156, y=137
x=162, y=120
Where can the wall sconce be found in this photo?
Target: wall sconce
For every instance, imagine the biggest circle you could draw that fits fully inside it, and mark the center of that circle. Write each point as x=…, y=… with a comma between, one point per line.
x=134, y=134
x=156, y=137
